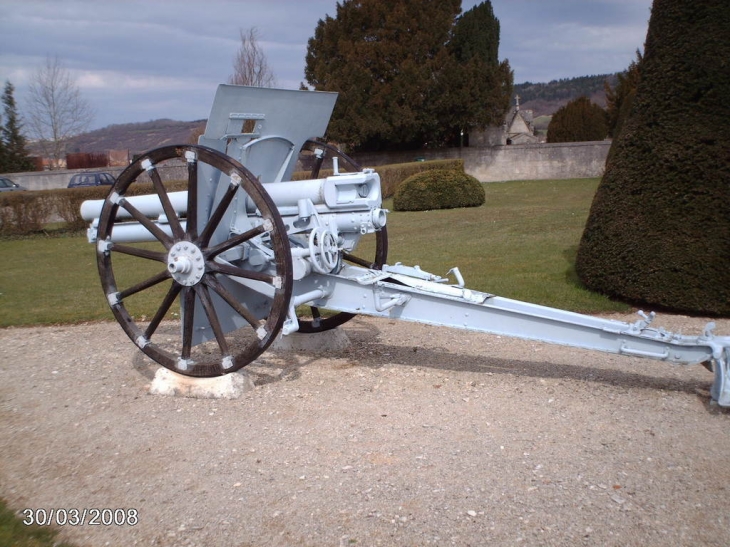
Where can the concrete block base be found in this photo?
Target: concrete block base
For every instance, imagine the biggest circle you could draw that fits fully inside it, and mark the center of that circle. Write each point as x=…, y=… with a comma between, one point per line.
x=327, y=341
x=230, y=386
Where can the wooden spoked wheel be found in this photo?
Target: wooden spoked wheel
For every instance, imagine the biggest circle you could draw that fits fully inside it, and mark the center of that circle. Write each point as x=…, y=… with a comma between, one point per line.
x=195, y=292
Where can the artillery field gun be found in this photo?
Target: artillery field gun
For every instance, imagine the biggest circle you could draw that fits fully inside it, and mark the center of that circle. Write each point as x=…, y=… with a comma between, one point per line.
x=251, y=254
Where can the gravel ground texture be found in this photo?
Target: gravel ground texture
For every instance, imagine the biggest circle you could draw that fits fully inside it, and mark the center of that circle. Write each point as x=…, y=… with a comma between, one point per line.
x=412, y=435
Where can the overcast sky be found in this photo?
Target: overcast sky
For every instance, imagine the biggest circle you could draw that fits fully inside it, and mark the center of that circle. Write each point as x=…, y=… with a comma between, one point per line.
x=137, y=61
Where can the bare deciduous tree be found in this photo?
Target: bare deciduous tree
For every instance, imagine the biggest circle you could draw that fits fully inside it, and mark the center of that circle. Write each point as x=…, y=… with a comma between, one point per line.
x=56, y=109
x=250, y=66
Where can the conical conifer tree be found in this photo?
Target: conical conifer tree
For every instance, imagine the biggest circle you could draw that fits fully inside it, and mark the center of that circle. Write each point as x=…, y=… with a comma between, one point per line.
x=14, y=156
x=659, y=227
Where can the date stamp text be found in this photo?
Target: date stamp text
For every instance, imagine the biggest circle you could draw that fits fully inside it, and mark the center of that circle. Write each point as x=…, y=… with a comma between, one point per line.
x=80, y=517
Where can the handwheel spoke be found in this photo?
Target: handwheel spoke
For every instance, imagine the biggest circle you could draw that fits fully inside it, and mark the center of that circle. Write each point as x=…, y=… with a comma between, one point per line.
x=188, y=319
x=153, y=228
x=170, y=213
x=137, y=251
x=217, y=215
x=227, y=269
x=146, y=284
x=213, y=320
x=236, y=240
x=192, y=215
x=216, y=285
x=162, y=310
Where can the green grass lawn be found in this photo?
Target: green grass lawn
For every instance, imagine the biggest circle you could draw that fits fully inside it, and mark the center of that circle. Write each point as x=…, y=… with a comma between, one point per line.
x=15, y=533
x=48, y=280
x=521, y=244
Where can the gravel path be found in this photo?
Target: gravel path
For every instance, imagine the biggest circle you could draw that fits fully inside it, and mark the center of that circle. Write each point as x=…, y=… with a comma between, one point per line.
x=412, y=436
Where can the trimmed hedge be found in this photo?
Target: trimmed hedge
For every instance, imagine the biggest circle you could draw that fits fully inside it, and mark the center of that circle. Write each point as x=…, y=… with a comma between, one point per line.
x=438, y=189
x=24, y=213
x=391, y=176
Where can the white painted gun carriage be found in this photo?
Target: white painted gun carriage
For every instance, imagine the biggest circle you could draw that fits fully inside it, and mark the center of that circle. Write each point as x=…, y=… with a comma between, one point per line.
x=251, y=254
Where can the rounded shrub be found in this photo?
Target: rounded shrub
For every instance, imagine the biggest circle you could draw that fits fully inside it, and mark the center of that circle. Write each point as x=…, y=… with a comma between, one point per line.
x=438, y=189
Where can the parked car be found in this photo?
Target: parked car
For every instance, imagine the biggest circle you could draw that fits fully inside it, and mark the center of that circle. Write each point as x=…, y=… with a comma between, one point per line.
x=91, y=179
x=7, y=185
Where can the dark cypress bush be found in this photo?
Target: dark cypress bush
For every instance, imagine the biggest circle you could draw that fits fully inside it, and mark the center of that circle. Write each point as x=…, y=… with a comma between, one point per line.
x=579, y=120
x=438, y=189
x=659, y=227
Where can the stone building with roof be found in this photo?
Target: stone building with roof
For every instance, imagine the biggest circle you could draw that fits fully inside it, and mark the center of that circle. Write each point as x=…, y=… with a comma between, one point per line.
x=517, y=128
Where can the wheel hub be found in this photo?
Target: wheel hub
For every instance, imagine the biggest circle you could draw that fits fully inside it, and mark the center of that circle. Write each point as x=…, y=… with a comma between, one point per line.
x=186, y=263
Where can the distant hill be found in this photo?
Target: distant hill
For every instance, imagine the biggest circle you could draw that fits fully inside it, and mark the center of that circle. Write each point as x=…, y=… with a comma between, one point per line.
x=542, y=99
x=545, y=99
x=135, y=137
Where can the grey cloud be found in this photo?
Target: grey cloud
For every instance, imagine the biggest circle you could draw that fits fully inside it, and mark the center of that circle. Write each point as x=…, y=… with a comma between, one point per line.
x=164, y=58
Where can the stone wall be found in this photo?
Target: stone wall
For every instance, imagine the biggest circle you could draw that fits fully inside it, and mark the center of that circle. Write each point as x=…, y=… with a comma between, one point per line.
x=493, y=164
x=514, y=162
x=539, y=161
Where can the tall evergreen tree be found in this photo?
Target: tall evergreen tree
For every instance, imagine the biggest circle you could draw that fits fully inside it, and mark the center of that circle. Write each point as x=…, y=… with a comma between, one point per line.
x=476, y=34
x=659, y=227
x=395, y=73
x=579, y=120
x=14, y=156
x=3, y=151
x=476, y=87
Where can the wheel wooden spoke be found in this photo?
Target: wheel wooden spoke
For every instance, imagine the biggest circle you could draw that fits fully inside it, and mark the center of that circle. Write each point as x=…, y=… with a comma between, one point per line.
x=153, y=228
x=317, y=166
x=191, y=264
x=239, y=272
x=356, y=260
x=316, y=321
x=146, y=284
x=188, y=320
x=192, y=215
x=162, y=310
x=217, y=215
x=137, y=251
x=216, y=285
x=170, y=213
x=215, y=323
x=346, y=163
x=234, y=241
